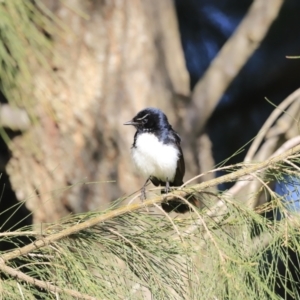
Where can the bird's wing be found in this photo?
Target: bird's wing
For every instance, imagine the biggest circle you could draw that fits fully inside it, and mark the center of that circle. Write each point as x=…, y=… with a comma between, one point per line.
x=178, y=179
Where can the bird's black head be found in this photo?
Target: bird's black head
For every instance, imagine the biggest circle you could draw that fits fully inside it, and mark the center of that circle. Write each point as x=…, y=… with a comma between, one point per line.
x=150, y=120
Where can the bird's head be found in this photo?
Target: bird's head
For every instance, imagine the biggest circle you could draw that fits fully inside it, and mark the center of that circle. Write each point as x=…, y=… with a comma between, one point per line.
x=149, y=119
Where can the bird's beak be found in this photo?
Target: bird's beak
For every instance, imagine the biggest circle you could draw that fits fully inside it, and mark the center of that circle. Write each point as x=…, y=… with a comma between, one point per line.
x=131, y=123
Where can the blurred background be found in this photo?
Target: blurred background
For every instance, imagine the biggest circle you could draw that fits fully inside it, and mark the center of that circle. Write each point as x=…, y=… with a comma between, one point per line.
x=73, y=71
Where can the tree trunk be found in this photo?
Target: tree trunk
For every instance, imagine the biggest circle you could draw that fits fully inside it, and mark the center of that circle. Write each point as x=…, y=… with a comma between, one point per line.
x=113, y=59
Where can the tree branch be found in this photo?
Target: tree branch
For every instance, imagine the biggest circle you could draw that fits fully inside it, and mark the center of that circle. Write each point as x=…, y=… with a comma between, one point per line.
x=43, y=242
x=270, y=121
x=13, y=118
x=229, y=61
x=42, y=284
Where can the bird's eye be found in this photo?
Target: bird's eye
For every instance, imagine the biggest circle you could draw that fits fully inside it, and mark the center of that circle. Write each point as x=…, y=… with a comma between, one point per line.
x=144, y=119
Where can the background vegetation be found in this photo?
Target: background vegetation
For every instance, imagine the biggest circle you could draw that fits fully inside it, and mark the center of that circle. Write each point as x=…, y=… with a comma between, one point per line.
x=71, y=72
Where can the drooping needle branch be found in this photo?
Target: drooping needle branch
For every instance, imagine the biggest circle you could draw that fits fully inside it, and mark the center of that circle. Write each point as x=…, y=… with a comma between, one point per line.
x=49, y=239
x=45, y=241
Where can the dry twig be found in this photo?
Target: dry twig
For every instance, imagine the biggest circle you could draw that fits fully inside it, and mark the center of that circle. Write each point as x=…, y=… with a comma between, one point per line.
x=42, y=284
x=270, y=121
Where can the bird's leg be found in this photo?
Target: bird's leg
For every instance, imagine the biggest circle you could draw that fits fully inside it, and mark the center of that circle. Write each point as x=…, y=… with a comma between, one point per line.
x=167, y=188
x=143, y=190
x=166, y=191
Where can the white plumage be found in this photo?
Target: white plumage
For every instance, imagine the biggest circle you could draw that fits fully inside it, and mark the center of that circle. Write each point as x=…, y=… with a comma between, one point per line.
x=153, y=158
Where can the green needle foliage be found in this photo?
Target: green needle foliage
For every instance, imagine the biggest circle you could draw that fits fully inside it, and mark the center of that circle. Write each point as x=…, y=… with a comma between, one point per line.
x=128, y=252
x=25, y=28
x=227, y=250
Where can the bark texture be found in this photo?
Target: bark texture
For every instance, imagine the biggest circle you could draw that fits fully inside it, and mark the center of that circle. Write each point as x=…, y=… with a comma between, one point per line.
x=113, y=59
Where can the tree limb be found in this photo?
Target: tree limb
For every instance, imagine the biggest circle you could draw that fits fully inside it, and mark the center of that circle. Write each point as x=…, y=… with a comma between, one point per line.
x=229, y=61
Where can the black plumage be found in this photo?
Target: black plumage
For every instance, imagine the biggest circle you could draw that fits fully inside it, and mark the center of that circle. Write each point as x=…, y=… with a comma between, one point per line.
x=158, y=155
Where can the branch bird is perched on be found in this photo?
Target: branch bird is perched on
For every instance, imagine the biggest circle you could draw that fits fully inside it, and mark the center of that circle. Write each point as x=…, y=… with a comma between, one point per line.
x=157, y=154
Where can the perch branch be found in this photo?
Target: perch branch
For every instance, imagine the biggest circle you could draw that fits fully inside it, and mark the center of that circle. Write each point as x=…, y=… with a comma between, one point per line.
x=45, y=241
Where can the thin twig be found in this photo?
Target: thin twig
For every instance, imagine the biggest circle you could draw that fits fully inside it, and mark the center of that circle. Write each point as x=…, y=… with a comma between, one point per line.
x=294, y=142
x=20, y=289
x=42, y=284
x=19, y=233
x=211, y=171
x=270, y=121
x=291, y=164
x=264, y=184
x=171, y=221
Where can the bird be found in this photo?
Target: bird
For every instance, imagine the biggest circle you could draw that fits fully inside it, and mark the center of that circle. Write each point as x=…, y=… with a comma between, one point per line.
x=157, y=155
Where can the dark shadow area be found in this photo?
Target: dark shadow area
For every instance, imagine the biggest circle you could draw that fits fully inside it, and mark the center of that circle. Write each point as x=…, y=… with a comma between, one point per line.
x=13, y=214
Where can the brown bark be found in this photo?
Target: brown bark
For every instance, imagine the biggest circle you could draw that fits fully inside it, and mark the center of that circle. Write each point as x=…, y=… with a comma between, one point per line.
x=113, y=59
x=123, y=56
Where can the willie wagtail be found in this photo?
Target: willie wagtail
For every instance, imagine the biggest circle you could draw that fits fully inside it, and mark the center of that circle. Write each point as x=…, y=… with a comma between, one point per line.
x=157, y=154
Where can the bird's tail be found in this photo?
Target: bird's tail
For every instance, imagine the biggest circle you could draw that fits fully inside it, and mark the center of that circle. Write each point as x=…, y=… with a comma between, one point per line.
x=178, y=205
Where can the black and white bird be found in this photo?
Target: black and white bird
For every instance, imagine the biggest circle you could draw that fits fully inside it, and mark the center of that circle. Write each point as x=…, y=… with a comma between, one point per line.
x=157, y=155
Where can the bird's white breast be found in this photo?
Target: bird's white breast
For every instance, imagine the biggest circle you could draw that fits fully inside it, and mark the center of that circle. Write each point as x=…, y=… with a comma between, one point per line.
x=153, y=158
